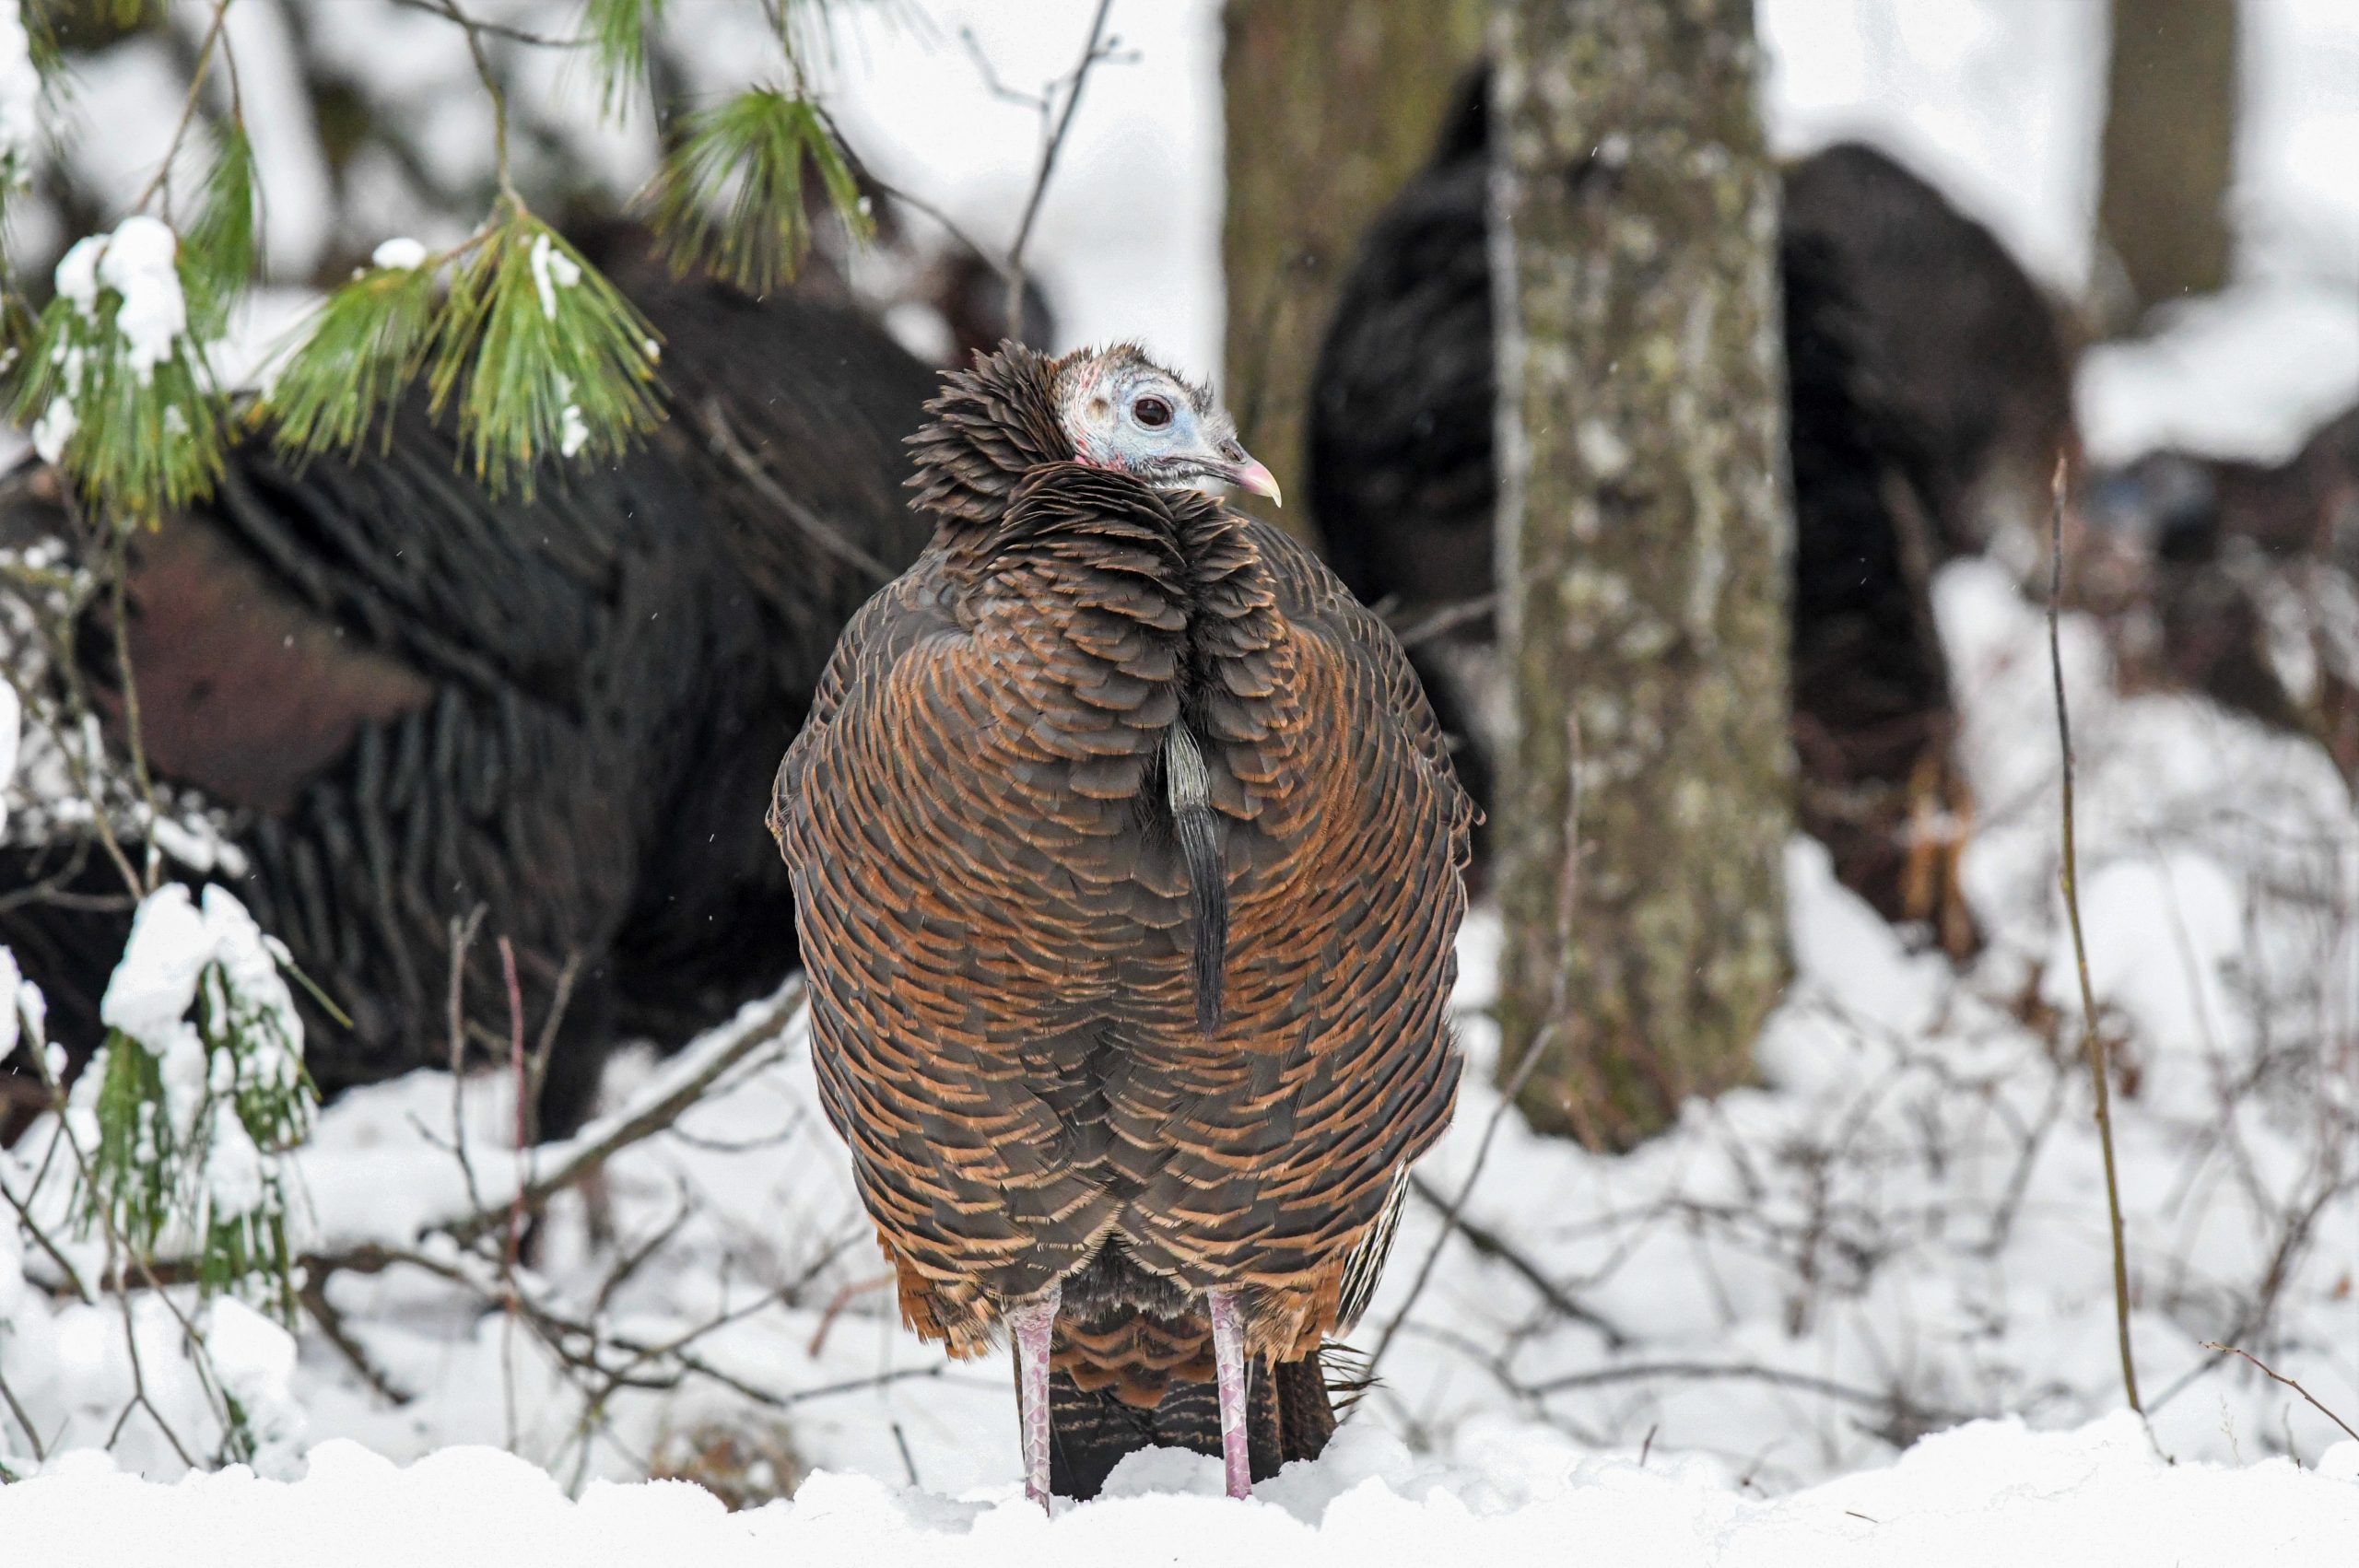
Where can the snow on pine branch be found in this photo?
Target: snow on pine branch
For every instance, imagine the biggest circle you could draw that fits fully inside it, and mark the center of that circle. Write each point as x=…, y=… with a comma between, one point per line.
x=185, y=1116
x=116, y=388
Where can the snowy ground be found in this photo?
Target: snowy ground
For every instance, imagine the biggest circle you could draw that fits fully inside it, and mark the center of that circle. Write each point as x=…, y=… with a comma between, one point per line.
x=1728, y=1348
x=1989, y=1493
x=1901, y=1229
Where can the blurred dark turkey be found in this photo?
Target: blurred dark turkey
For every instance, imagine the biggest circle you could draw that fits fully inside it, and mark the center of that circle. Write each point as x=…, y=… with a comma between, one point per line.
x=2237, y=579
x=1929, y=398
x=410, y=699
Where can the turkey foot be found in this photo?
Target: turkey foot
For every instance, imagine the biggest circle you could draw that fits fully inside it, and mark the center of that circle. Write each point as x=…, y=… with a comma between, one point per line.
x=1034, y=1323
x=1228, y=1362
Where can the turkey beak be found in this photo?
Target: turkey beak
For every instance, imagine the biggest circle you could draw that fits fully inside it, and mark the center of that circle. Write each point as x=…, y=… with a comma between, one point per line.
x=1247, y=475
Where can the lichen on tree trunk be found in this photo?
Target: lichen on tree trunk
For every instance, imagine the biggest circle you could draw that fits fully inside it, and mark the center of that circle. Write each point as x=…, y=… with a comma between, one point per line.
x=1332, y=106
x=1645, y=538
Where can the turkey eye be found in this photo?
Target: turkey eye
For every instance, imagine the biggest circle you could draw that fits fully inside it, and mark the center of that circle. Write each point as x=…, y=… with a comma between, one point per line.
x=1152, y=412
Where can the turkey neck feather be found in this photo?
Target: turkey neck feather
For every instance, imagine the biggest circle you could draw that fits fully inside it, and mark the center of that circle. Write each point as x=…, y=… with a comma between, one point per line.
x=1126, y=597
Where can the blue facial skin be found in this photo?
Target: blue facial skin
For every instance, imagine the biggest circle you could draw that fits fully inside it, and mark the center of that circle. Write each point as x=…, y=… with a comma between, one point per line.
x=1137, y=418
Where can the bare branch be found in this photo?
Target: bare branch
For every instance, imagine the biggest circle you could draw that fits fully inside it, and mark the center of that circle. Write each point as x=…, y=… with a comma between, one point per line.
x=1090, y=55
x=2279, y=1376
x=2070, y=879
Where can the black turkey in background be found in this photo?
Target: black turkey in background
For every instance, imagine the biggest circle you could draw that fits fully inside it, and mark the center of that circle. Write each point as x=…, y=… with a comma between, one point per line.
x=2238, y=579
x=1930, y=395
x=403, y=700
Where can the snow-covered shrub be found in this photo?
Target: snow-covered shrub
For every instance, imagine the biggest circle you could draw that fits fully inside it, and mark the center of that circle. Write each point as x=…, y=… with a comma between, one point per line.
x=198, y=1093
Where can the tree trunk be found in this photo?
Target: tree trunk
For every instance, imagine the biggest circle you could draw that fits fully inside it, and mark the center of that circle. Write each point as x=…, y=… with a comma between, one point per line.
x=2169, y=151
x=1643, y=553
x=1332, y=105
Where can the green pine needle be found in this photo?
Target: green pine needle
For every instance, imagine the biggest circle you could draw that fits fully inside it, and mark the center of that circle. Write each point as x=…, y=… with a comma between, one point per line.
x=731, y=196
x=541, y=354
x=136, y=440
x=365, y=344
x=537, y=353
x=617, y=33
x=41, y=43
x=220, y=246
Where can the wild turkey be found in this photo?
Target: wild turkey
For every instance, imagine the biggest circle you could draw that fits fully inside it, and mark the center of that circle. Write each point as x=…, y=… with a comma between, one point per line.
x=411, y=699
x=2237, y=579
x=1930, y=395
x=1128, y=864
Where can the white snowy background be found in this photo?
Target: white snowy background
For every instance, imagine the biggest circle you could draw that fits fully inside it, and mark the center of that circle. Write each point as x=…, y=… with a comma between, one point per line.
x=1725, y=1348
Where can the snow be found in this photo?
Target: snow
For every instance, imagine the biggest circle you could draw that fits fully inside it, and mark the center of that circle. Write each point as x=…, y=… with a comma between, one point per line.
x=20, y=96
x=1993, y=1491
x=77, y=278
x=2245, y=374
x=154, y=985
x=141, y=264
x=11, y=1030
x=54, y=428
x=401, y=254
x=140, y=261
x=254, y=1359
x=552, y=270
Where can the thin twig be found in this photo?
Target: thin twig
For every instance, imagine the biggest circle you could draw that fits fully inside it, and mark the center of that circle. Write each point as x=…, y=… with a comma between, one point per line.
x=1492, y=1244
x=1089, y=57
x=577, y=1162
x=2279, y=1376
x=314, y=1297
x=714, y=417
x=462, y=936
x=213, y=38
x=118, y=576
x=507, y=30
x=32, y=1434
x=835, y=1308
x=1892, y=1400
x=524, y=1114
x=1446, y=619
x=2070, y=878
x=476, y=30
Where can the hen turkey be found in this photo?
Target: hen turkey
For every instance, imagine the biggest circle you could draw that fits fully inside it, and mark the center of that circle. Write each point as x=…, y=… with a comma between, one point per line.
x=1128, y=860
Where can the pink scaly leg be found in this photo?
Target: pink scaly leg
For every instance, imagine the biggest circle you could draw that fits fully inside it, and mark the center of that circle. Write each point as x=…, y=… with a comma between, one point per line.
x=1033, y=1322
x=1228, y=1362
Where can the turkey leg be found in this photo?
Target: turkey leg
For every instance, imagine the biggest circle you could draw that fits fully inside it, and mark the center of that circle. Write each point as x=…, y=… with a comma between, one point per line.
x=1033, y=1322
x=1229, y=1363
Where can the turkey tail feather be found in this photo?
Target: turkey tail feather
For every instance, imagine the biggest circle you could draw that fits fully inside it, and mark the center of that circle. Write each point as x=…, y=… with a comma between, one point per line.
x=1188, y=787
x=1289, y=1416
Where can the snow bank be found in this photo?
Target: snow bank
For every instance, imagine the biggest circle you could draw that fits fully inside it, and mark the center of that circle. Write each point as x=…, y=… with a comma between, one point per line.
x=1988, y=1494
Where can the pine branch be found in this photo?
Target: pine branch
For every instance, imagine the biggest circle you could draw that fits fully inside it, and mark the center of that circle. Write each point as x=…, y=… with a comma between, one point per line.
x=616, y=32
x=221, y=247
x=532, y=350
x=540, y=353
x=365, y=344
x=731, y=196
x=116, y=388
